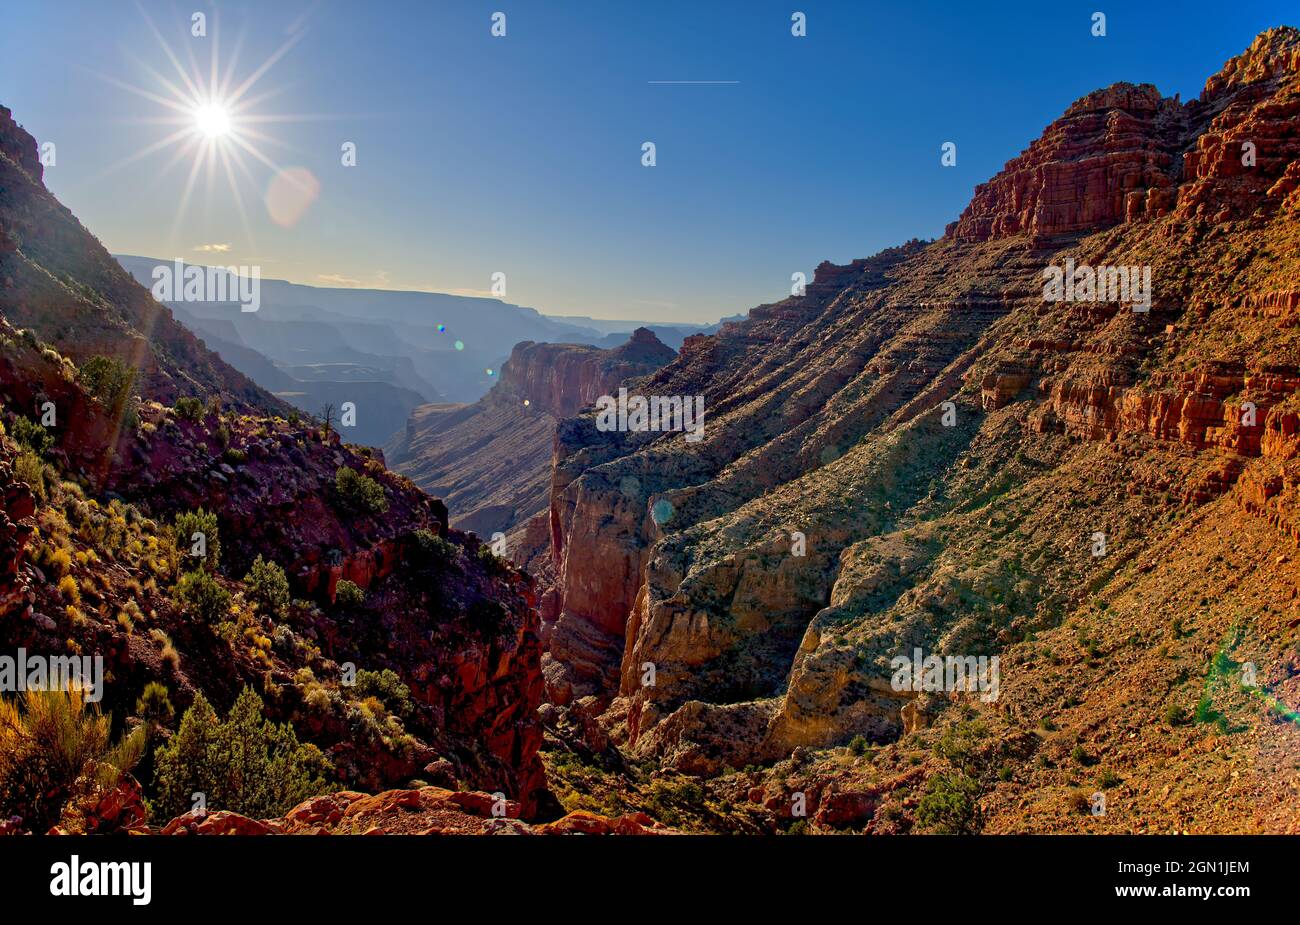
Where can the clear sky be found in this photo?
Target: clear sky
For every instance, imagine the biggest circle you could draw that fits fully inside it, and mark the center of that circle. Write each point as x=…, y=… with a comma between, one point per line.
x=522, y=154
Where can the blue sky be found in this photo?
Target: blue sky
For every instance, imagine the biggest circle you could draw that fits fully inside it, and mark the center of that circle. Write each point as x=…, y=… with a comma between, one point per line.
x=522, y=154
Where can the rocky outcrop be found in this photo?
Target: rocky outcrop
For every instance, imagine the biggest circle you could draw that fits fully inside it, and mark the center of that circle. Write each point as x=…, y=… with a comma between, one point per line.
x=425, y=811
x=562, y=379
x=1126, y=153
x=492, y=460
x=1109, y=159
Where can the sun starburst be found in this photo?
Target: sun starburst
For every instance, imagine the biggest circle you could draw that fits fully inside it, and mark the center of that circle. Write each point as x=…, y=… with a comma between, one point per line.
x=216, y=125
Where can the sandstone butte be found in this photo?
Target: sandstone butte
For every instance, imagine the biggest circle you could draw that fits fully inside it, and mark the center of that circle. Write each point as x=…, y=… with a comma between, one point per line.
x=1174, y=434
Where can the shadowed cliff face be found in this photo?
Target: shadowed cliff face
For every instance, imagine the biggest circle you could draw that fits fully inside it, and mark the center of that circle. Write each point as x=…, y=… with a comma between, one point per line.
x=492, y=460
x=971, y=532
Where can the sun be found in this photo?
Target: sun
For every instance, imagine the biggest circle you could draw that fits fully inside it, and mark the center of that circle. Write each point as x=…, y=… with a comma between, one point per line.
x=212, y=120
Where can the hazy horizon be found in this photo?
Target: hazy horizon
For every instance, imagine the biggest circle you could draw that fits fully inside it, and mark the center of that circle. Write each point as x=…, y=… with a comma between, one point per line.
x=232, y=266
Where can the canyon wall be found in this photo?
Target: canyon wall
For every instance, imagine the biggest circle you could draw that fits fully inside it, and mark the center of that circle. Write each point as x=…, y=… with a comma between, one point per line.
x=491, y=460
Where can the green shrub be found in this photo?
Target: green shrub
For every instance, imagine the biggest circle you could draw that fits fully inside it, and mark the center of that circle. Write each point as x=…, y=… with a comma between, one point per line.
x=492, y=563
x=246, y=764
x=154, y=706
x=431, y=549
x=36, y=438
x=360, y=492
x=29, y=468
x=388, y=687
x=109, y=380
x=268, y=586
x=191, y=409
x=55, y=750
x=950, y=805
x=191, y=522
x=858, y=745
x=959, y=746
x=1175, y=714
x=200, y=593
x=348, y=594
x=1205, y=712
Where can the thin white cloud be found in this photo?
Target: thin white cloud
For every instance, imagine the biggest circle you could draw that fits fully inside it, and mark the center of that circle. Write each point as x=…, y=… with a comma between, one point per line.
x=335, y=280
x=213, y=248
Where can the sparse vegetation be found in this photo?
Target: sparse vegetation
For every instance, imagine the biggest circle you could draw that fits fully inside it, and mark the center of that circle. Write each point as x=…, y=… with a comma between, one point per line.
x=31, y=435
x=154, y=705
x=950, y=805
x=268, y=586
x=433, y=550
x=190, y=409
x=360, y=492
x=203, y=596
x=55, y=750
x=348, y=594
x=109, y=380
x=197, y=530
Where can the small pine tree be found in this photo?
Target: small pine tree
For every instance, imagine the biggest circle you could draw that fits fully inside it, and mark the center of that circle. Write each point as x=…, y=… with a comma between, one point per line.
x=247, y=764
x=189, y=523
x=154, y=705
x=360, y=492
x=269, y=586
x=191, y=409
x=203, y=596
x=187, y=763
x=950, y=805
x=109, y=380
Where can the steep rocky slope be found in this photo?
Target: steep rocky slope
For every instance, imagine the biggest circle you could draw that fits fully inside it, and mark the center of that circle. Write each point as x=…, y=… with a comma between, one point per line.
x=492, y=460
x=684, y=625
x=91, y=570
